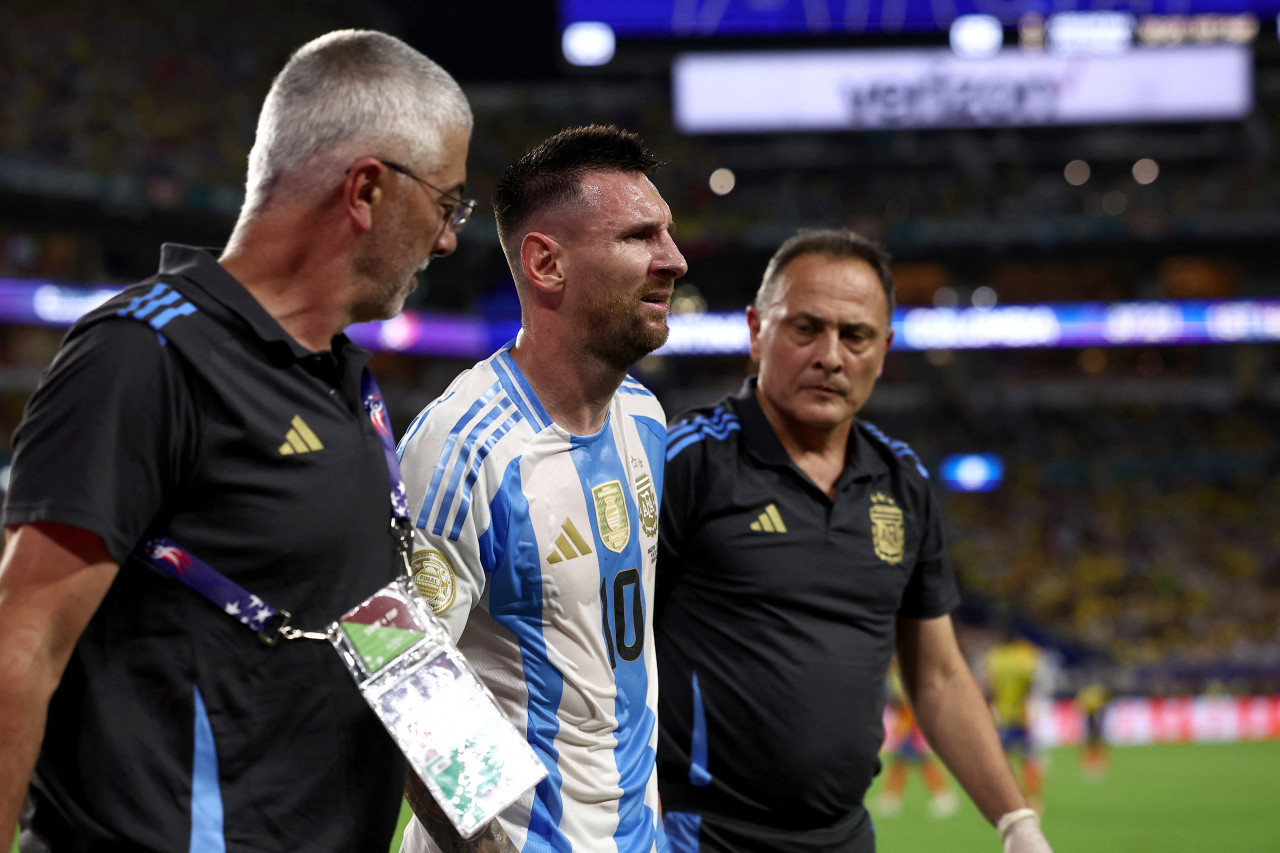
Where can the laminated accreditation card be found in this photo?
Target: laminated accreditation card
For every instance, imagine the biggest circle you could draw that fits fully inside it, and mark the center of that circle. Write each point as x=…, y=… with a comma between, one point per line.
x=446, y=722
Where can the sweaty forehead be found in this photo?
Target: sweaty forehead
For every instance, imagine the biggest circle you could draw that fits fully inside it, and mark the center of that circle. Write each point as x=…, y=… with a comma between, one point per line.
x=607, y=203
x=626, y=191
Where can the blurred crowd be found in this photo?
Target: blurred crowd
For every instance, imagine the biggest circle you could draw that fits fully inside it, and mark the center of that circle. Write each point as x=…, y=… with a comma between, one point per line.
x=131, y=92
x=131, y=105
x=1147, y=537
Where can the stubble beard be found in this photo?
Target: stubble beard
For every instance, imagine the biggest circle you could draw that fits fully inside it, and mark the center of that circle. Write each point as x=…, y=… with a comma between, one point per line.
x=619, y=335
x=385, y=284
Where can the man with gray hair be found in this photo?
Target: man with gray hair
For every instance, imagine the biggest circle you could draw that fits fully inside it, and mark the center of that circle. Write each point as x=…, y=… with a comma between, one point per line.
x=211, y=435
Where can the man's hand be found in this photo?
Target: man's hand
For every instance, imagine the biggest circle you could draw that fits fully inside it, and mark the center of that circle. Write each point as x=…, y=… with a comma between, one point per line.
x=491, y=839
x=1020, y=832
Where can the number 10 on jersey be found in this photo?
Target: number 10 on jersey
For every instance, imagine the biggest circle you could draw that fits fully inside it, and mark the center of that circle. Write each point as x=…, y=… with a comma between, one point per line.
x=622, y=612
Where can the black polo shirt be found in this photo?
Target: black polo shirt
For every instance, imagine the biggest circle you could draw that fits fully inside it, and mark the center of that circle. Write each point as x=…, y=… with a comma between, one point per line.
x=775, y=617
x=187, y=410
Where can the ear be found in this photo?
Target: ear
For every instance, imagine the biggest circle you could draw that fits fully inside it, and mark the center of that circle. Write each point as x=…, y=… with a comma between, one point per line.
x=542, y=261
x=362, y=191
x=753, y=326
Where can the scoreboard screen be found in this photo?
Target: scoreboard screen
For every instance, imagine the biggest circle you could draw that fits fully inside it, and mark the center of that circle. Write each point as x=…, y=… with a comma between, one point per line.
x=778, y=66
x=674, y=19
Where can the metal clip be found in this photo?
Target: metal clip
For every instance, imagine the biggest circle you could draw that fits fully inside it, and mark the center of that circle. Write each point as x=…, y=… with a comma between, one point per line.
x=402, y=530
x=288, y=632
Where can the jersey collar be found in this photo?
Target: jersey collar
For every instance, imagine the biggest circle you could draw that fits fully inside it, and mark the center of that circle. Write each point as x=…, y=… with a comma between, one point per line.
x=201, y=268
x=861, y=458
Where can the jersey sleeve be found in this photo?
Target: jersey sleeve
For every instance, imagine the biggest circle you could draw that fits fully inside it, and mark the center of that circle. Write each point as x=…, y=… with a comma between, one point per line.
x=932, y=589
x=449, y=558
x=106, y=436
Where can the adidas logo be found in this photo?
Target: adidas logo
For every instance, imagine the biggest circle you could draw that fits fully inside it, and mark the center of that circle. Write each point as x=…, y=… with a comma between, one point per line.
x=569, y=544
x=769, y=521
x=300, y=439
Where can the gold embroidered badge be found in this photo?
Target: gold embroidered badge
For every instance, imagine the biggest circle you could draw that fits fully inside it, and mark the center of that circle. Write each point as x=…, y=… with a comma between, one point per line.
x=434, y=577
x=888, y=532
x=611, y=515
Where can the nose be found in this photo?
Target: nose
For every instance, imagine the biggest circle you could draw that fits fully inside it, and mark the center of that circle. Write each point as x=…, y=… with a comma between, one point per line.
x=446, y=241
x=827, y=351
x=667, y=260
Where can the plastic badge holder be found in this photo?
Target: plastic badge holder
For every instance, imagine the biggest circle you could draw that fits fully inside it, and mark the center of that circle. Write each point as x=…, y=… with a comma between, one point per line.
x=445, y=721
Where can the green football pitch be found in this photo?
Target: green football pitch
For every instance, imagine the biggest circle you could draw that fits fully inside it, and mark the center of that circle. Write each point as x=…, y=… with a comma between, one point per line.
x=1190, y=798
x=1186, y=798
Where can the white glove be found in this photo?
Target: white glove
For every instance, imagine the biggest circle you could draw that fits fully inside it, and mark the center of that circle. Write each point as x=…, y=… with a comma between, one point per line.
x=1020, y=832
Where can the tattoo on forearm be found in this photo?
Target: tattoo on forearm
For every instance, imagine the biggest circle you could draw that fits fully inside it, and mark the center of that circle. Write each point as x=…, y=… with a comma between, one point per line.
x=491, y=839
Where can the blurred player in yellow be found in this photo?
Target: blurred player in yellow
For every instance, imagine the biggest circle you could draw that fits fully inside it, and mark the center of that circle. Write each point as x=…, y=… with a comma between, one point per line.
x=1013, y=670
x=1094, y=755
x=910, y=748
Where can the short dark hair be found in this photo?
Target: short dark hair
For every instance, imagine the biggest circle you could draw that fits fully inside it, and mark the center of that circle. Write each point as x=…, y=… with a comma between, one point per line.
x=551, y=173
x=835, y=243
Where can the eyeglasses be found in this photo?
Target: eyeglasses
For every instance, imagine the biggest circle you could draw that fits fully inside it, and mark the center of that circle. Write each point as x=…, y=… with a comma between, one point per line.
x=457, y=214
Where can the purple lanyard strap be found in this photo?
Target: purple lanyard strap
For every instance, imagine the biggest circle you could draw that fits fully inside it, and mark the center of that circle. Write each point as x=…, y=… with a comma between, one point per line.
x=245, y=607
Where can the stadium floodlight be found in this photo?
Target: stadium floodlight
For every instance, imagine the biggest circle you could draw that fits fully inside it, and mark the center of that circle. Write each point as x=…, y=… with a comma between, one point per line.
x=722, y=181
x=1114, y=203
x=1146, y=170
x=588, y=43
x=972, y=472
x=1076, y=172
x=976, y=36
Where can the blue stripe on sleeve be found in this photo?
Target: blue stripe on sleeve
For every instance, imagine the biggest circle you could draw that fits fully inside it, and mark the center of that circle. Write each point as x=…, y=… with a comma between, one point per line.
x=690, y=424
x=443, y=462
x=169, y=297
x=701, y=433
x=689, y=431
x=162, y=319
x=900, y=448
x=417, y=423
x=462, y=463
x=474, y=473
x=140, y=306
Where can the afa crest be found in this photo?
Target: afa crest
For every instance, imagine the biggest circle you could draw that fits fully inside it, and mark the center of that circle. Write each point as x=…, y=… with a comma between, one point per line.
x=647, y=503
x=611, y=515
x=888, y=533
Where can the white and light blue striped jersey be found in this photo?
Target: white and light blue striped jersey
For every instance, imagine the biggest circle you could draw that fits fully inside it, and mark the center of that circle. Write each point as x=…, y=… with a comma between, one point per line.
x=536, y=548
